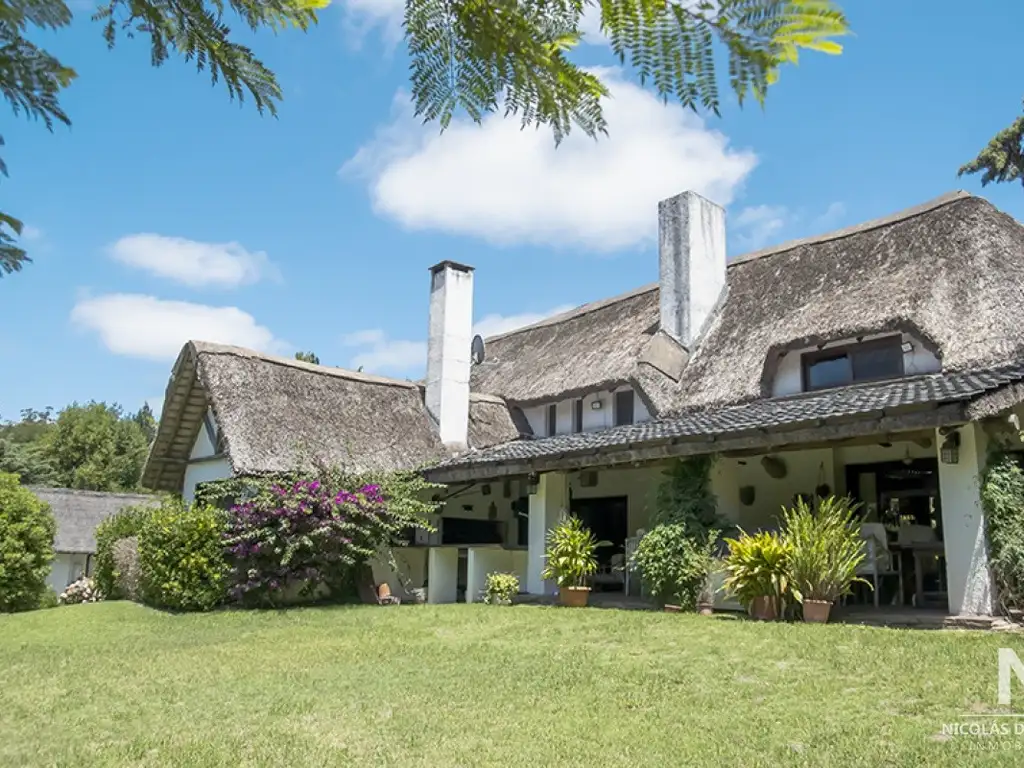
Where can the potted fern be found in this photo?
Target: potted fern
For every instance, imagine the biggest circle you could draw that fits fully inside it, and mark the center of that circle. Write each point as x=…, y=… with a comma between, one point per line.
x=570, y=560
x=757, y=572
x=825, y=550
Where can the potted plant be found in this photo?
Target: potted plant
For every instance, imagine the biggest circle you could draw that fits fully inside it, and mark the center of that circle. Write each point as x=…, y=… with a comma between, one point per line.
x=825, y=550
x=706, y=598
x=756, y=572
x=570, y=560
x=675, y=565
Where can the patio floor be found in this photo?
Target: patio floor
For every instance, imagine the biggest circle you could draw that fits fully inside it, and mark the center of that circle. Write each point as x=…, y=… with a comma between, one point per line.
x=868, y=615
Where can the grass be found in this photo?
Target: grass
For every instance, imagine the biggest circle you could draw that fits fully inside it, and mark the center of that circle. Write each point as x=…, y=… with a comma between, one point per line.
x=117, y=684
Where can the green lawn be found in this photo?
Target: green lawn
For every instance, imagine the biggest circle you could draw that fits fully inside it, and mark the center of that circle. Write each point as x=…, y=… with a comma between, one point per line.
x=117, y=684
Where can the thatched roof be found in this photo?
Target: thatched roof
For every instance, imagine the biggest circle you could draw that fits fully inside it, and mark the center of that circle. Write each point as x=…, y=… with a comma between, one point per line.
x=593, y=347
x=950, y=271
x=277, y=414
x=79, y=512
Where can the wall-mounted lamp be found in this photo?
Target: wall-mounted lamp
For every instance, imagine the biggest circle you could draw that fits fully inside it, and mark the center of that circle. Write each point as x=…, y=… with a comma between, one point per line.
x=532, y=481
x=949, y=453
x=906, y=346
x=596, y=405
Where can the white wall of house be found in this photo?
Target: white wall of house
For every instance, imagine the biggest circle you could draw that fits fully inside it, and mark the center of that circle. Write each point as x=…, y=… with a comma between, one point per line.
x=600, y=417
x=204, y=463
x=66, y=568
x=789, y=378
x=963, y=525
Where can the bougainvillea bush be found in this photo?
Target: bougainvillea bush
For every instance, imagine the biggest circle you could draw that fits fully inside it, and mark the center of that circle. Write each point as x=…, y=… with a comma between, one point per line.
x=305, y=539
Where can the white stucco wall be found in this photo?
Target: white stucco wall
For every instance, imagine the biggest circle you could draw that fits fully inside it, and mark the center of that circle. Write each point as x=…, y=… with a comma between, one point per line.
x=599, y=418
x=789, y=380
x=204, y=465
x=65, y=569
x=963, y=526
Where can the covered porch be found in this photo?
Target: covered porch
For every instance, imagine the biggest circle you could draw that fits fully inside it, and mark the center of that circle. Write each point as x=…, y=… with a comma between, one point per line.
x=918, y=488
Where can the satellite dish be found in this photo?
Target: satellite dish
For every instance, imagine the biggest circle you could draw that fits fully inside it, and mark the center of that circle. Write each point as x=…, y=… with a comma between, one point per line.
x=476, y=350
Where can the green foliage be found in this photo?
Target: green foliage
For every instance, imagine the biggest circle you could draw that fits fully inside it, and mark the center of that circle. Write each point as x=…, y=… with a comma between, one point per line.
x=514, y=54
x=49, y=598
x=1002, y=159
x=27, y=529
x=569, y=558
x=29, y=461
x=125, y=523
x=181, y=557
x=98, y=447
x=675, y=564
x=307, y=357
x=501, y=588
x=757, y=566
x=684, y=496
x=825, y=548
x=147, y=422
x=31, y=79
x=1002, y=495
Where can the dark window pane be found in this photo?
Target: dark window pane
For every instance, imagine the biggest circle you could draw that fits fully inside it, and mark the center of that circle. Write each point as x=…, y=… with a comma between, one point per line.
x=577, y=418
x=827, y=372
x=552, y=419
x=624, y=407
x=878, y=362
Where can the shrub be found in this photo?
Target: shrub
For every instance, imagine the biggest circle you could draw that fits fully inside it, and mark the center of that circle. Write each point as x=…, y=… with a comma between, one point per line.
x=127, y=573
x=674, y=564
x=1002, y=494
x=49, y=598
x=824, y=548
x=501, y=588
x=181, y=557
x=126, y=523
x=684, y=497
x=27, y=529
x=569, y=558
x=302, y=538
x=757, y=566
x=81, y=591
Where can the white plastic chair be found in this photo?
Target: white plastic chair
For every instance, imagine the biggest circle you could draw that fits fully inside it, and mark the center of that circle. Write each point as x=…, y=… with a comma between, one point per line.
x=878, y=560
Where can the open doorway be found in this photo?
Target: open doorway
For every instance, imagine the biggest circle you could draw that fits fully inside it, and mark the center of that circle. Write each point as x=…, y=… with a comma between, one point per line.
x=902, y=506
x=608, y=518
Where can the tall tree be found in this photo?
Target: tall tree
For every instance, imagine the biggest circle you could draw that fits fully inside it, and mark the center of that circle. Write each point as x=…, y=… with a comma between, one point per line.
x=97, y=447
x=146, y=421
x=475, y=56
x=307, y=357
x=1002, y=159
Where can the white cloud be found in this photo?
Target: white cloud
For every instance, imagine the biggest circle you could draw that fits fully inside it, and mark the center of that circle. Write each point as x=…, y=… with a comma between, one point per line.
x=380, y=354
x=756, y=226
x=30, y=233
x=135, y=325
x=507, y=185
x=361, y=17
x=832, y=216
x=192, y=262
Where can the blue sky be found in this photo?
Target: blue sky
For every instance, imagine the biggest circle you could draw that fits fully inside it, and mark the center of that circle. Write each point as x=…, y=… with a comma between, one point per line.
x=168, y=212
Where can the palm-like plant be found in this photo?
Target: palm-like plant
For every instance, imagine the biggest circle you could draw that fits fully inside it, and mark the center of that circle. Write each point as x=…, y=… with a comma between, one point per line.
x=569, y=558
x=825, y=548
x=757, y=567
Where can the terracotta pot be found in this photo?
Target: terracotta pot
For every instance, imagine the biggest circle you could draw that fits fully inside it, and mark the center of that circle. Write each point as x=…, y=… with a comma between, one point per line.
x=816, y=611
x=573, y=597
x=672, y=608
x=764, y=608
x=706, y=609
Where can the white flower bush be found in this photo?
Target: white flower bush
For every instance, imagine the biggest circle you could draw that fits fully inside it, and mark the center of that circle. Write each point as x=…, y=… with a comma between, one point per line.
x=83, y=590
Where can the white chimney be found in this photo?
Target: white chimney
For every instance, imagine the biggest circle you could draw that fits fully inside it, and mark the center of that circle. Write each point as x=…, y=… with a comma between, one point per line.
x=691, y=254
x=448, y=351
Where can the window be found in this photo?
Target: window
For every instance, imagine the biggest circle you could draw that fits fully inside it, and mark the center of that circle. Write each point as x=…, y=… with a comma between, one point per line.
x=577, y=415
x=624, y=407
x=867, y=361
x=552, y=420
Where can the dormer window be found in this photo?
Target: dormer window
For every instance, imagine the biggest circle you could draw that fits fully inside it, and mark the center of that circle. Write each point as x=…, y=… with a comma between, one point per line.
x=624, y=407
x=853, y=363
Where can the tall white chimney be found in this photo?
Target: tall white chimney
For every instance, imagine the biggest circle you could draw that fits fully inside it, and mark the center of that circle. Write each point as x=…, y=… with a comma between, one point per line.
x=448, y=351
x=691, y=254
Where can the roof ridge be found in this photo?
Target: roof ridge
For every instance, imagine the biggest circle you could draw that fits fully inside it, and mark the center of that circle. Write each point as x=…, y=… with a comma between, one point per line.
x=89, y=492
x=856, y=229
x=582, y=309
x=212, y=348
